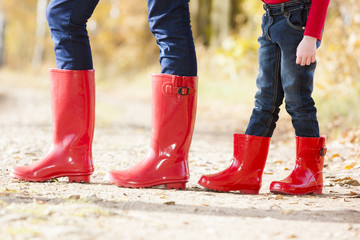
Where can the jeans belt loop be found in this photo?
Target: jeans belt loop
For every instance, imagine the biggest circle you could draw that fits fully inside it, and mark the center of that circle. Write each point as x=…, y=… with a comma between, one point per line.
x=285, y=13
x=266, y=8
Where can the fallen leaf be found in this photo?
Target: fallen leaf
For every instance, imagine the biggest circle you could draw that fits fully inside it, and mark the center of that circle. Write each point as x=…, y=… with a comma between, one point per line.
x=350, y=166
x=268, y=173
x=7, y=191
x=292, y=236
x=278, y=197
x=353, y=193
x=286, y=168
x=287, y=211
x=38, y=201
x=346, y=181
x=335, y=155
x=330, y=177
x=169, y=203
x=74, y=197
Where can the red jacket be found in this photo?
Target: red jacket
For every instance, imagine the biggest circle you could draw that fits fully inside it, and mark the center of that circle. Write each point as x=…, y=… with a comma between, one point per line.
x=316, y=19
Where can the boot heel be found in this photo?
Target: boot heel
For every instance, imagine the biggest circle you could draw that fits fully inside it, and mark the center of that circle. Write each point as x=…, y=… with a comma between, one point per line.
x=249, y=191
x=79, y=179
x=317, y=192
x=175, y=185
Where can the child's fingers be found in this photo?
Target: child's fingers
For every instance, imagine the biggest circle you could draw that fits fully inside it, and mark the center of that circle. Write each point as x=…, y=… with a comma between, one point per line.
x=310, y=59
x=298, y=59
x=313, y=59
x=303, y=61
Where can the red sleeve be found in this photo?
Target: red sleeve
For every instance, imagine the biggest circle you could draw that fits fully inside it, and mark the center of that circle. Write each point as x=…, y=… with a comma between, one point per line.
x=316, y=19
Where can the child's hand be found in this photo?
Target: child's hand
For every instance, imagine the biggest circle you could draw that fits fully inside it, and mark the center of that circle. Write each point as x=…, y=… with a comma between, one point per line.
x=306, y=51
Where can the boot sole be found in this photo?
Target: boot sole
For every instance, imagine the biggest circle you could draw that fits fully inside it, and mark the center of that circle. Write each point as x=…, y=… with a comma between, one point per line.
x=241, y=190
x=251, y=192
x=71, y=178
x=167, y=185
x=318, y=192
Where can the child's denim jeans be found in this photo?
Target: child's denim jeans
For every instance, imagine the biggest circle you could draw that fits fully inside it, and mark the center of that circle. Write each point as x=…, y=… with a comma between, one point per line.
x=169, y=21
x=279, y=75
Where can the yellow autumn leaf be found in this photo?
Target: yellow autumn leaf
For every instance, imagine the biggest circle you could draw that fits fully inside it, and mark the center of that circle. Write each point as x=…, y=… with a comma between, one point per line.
x=350, y=166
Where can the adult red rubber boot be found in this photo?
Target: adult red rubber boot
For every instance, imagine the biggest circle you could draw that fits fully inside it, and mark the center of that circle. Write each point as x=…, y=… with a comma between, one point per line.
x=307, y=176
x=245, y=172
x=73, y=108
x=173, y=118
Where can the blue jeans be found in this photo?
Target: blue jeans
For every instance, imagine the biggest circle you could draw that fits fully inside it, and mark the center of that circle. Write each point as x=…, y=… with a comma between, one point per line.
x=279, y=76
x=169, y=21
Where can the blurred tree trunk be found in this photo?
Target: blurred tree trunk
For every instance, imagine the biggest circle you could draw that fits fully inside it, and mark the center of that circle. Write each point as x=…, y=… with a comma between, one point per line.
x=212, y=20
x=200, y=18
x=220, y=21
x=40, y=33
x=2, y=37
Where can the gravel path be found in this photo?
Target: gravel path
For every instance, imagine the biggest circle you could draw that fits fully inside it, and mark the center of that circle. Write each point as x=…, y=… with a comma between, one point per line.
x=61, y=210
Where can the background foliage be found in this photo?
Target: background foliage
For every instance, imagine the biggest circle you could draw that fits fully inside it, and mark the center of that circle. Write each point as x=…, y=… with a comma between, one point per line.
x=226, y=34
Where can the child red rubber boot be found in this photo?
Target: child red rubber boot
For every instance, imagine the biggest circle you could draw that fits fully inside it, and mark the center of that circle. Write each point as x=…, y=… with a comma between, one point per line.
x=245, y=172
x=173, y=117
x=307, y=176
x=73, y=108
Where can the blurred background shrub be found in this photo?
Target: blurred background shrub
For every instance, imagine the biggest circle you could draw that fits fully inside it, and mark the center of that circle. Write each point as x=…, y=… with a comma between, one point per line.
x=225, y=33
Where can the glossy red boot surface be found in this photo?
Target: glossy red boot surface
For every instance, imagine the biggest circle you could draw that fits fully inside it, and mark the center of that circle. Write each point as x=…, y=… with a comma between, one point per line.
x=73, y=108
x=307, y=176
x=245, y=172
x=173, y=118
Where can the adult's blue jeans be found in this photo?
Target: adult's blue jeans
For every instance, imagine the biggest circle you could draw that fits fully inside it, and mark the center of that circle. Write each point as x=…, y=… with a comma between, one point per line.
x=169, y=21
x=279, y=76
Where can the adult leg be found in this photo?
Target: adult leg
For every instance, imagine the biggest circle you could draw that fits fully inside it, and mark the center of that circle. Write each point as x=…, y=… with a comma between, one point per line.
x=169, y=21
x=72, y=97
x=67, y=22
x=174, y=101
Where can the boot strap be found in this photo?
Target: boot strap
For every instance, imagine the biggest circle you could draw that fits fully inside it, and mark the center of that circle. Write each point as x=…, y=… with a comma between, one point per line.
x=178, y=90
x=323, y=151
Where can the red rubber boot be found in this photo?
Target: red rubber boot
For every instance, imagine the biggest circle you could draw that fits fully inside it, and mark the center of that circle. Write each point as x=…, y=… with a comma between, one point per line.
x=73, y=108
x=173, y=118
x=245, y=172
x=307, y=176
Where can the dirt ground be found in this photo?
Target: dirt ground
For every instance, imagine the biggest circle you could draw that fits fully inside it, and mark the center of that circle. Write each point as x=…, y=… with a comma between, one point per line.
x=62, y=210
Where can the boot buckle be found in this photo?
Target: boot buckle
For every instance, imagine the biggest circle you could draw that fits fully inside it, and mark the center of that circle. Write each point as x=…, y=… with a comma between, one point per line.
x=181, y=92
x=323, y=151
